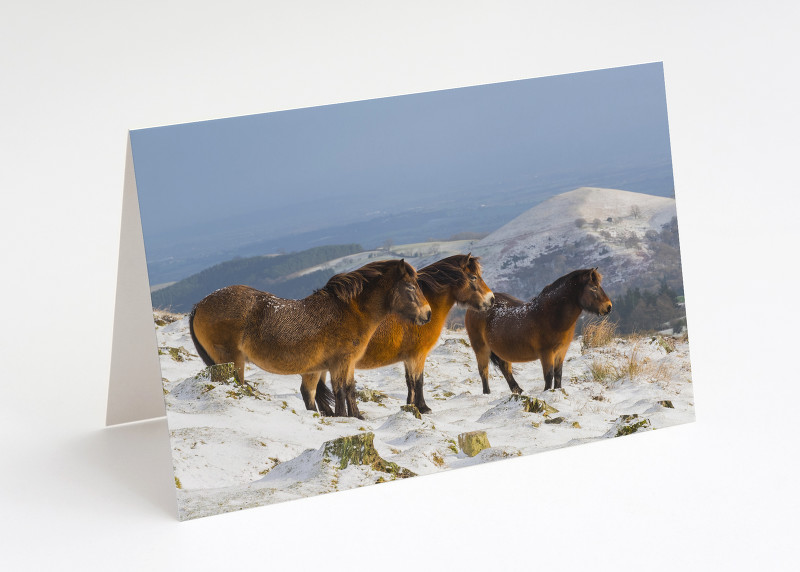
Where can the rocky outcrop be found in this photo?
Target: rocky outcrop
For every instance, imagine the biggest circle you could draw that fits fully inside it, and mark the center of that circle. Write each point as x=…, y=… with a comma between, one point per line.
x=473, y=442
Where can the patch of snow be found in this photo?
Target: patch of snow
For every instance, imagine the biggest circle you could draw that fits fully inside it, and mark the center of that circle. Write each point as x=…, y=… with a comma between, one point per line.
x=231, y=451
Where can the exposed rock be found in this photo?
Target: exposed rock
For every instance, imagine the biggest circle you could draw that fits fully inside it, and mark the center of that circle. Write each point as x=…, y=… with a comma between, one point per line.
x=666, y=403
x=177, y=354
x=225, y=374
x=411, y=408
x=554, y=420
x=222, y=373
x=628, y=424
x=360, y=450
x=473, y=442
x=371, y=395
x=534, y=405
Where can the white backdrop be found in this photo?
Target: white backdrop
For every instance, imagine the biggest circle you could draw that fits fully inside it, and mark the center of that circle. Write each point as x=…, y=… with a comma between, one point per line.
x=721, y=492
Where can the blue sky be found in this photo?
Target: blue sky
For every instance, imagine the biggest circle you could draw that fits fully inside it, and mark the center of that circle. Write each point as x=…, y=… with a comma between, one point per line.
x=276, y=173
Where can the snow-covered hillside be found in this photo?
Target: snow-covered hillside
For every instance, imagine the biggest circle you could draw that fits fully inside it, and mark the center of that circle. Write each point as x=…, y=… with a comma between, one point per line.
x=234, y=450
x=418, y=254
x=578, y=229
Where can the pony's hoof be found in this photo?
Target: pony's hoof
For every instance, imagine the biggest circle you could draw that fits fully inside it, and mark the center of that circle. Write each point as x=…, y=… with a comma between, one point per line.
x=517, y=390
x=424, y=409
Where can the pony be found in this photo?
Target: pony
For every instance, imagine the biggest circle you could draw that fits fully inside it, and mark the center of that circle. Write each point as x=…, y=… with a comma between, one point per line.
x=543, y=328
x=326, y=331
x=452, y=280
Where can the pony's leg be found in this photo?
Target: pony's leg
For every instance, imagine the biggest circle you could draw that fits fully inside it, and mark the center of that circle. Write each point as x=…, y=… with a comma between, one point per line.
x=548, y=370
x=344, y=389
x=557, y=368
x=339, y=393
x=420, y=398
x=506, y=369
x=476, y=330
x=232, y=356
x=308, y=389
x=411, y=387
x=352, y=401
x=483, y=367
x=324, y=397
x=482, y=354
x=415, y=376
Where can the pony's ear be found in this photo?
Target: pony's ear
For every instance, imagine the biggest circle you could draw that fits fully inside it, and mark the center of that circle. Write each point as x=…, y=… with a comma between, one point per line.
x=403, y=269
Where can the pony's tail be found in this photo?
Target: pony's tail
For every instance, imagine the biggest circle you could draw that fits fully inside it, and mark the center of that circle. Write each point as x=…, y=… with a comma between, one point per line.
x=201, y=351
x=324, y=396
x=495, y=359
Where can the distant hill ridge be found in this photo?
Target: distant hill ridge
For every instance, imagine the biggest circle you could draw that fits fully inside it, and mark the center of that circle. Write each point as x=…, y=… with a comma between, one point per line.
x=262, y=272
x=631, y=237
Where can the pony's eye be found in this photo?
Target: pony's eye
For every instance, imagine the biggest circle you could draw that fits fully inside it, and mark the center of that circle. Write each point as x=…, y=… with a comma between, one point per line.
x=473, y=278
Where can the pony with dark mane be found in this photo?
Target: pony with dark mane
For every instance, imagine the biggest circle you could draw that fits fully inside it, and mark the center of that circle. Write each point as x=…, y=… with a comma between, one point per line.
x=452, y=280
x=326, y=331
x=517, y=331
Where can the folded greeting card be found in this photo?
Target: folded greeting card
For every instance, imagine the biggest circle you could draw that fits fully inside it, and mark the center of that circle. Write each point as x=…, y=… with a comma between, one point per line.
x=345, y=295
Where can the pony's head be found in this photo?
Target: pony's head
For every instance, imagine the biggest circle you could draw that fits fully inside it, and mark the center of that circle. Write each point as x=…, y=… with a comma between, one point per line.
x=592, y=297
x=461, y=275
x=405, y=297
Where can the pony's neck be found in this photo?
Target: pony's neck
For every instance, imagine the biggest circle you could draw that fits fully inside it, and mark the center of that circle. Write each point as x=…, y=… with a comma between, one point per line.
x=372, y=304
x=440, y=303
x=560, y=304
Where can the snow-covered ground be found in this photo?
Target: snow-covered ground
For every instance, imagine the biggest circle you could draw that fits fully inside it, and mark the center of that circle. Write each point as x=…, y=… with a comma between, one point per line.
x=233, y=451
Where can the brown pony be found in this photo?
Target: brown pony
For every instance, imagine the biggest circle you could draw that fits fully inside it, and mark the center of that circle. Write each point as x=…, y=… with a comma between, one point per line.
x=452, y=280
x=516, y=331
x=328, y=330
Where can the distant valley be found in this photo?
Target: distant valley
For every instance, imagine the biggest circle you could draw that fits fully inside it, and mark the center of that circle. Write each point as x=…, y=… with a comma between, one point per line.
x=631, y=237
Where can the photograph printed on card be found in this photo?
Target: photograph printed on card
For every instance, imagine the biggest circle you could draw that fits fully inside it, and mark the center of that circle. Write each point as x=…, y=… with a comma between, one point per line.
x=356, y=293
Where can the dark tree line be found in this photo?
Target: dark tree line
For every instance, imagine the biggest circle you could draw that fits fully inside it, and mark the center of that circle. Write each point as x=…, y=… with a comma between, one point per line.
x=262, y=272
x=641, y=310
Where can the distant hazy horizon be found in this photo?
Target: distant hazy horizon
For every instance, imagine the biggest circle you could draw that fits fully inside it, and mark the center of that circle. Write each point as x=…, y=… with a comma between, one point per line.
x=447, y=161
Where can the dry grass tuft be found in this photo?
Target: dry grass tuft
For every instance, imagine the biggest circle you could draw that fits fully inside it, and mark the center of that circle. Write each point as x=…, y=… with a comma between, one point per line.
x=633, y=364
x=598, y=333
x=163, y=317
x=602, y=371
x=628, y=366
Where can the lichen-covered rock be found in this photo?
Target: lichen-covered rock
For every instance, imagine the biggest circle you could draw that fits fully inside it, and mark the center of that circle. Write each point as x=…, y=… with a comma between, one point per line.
x=225, y=373
x=628, y=424
x=411, y=408
x=177, y=354
x=473, y=442
x=371, y=395
x=222, y=373
x=534, y=405
x=360, y=450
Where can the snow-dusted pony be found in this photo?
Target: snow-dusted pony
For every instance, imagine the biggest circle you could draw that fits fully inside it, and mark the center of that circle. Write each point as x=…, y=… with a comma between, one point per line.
x=452, y=280
x=516, y=331
x=326, y=331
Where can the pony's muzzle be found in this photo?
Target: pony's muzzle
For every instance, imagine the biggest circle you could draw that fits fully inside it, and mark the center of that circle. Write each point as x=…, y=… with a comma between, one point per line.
x=488, y=301
x=424, y=317
x=607, y=309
